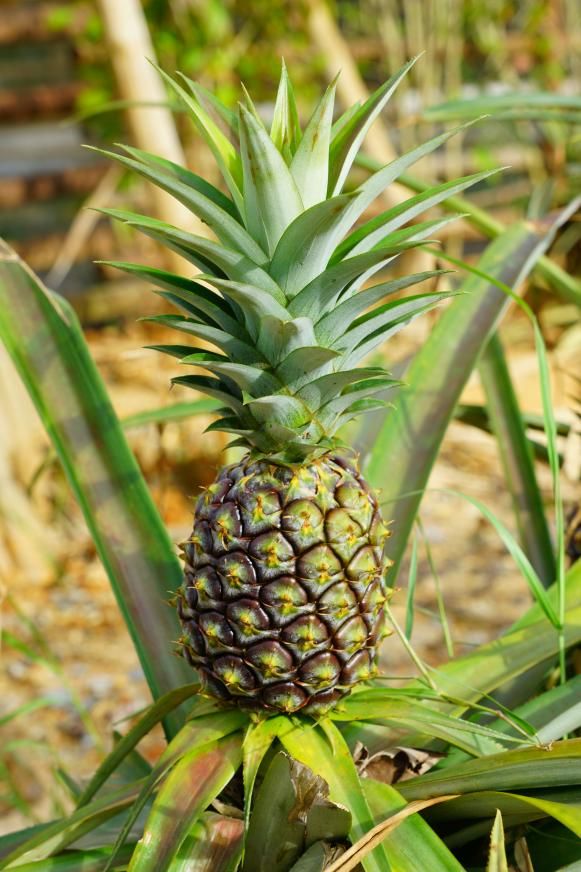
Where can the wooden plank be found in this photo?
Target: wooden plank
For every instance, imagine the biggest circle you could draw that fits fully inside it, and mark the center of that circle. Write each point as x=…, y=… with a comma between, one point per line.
x=34, y=22
x=41, y=251
x=41, y=149
x=24, y=65
x=40, y=101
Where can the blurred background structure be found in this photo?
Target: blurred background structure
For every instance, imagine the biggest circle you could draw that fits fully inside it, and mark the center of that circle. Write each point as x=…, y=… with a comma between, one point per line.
x=76, y=72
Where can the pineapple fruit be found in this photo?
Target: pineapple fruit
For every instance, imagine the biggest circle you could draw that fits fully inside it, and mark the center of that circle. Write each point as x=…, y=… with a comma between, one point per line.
x=282, y=605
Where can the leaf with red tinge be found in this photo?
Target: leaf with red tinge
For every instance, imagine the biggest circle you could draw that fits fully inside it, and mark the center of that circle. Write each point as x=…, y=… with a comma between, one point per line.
x=214, y=845
x=192, y=785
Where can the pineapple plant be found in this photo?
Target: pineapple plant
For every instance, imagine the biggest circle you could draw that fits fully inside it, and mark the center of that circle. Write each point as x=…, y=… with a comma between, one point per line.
x=282, y=606
x=292, y=533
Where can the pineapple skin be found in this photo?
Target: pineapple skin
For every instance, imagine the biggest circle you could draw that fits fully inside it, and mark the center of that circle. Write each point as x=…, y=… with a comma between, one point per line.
x=282, y=605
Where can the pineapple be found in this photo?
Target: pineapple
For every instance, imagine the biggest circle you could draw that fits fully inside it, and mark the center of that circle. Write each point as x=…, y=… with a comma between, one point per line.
x=282, y=606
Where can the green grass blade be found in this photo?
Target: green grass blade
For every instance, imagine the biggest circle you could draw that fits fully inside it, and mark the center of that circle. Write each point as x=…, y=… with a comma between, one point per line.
x=516, y=457
x=537, y=105
x=26, y=708
x=46, y=343
x=167, y=414
x=411, y=589
x=477, y=416
x=191, y=786
x=520, y=558
x=572, y=598
x=413, y=432
x=551, y=432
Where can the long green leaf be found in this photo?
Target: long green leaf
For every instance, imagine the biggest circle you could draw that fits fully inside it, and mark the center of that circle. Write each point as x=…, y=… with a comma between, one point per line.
x=373, y=231
x=330, y=757
x=226, y=228
x=497, y=851
x=526, y=769
x=347, y=140
x=193, y=783
x=224, y=152
x=418, y=719
x=484, y=803
x=166, y=414
x=186, y=176
x=61, y=833
x=76, y=861
x=272, y=199
x=258, y=738
x=276, y=832
x=572, y=598
x=489, y=667
x=413, y=432
x=153, y=715
x=516, y=457
x=565, y=284
x=46, y=344
x=516, y=103
x=310, y=164
x=193, y=738
x=207, y=255
x=413, y=846
x=521, y=560
x=335, y=323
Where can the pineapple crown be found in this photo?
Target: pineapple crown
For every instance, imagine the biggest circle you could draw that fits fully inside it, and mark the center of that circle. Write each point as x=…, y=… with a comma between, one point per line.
x=282, y=295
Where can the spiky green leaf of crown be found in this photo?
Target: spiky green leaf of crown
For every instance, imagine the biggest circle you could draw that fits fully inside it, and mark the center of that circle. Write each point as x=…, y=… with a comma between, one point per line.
x=282, y=294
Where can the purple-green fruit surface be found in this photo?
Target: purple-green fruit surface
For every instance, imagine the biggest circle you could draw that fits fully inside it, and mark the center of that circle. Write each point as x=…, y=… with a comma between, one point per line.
x=282, y=605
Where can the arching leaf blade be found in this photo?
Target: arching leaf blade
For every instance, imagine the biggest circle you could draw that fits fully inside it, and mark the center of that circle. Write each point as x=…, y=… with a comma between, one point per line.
x=44, y=339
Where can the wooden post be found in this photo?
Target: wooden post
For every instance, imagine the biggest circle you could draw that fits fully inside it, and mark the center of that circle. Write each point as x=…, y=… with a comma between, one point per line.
x=153, y=128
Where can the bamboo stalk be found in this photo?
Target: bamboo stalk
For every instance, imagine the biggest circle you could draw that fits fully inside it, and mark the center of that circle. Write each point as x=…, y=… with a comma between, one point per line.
x=153, y=129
